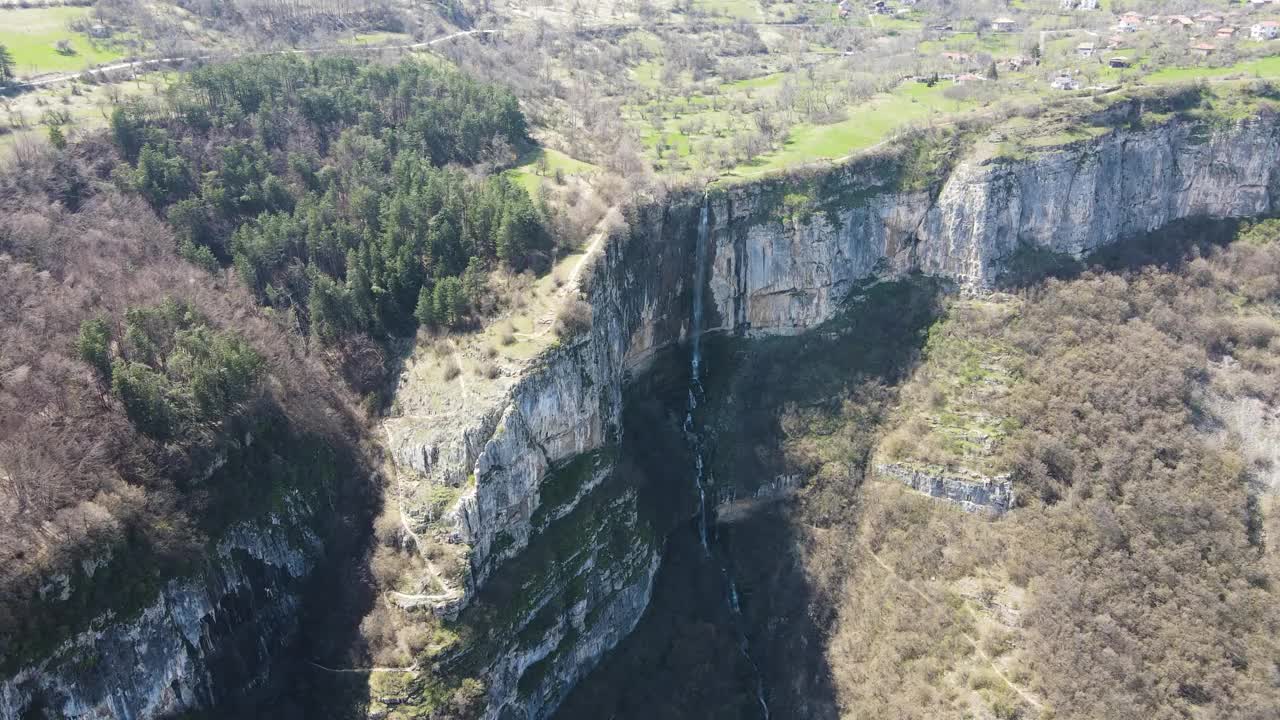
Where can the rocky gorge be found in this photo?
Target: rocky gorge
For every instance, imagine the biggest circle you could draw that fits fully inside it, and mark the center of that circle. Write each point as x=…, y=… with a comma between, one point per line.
x=784, y=256
x=561, y=495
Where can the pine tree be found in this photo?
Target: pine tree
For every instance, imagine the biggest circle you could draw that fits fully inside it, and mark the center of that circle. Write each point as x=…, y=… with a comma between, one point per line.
x=507, y=242
x=425, y=311
x=6, y=64
x=474, y=283
x=360, y=285
x=56, y=137
x=93, y=345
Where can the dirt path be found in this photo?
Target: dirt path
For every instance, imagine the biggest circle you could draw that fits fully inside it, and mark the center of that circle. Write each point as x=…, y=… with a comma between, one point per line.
x=1026, y=697
x=595, y=244
x=451, y=592
x=365, y=671
x=462, y=375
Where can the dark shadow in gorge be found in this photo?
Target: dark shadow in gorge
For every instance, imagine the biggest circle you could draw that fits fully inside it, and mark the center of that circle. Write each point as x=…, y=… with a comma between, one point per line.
x=334, y=598
x=683, y=659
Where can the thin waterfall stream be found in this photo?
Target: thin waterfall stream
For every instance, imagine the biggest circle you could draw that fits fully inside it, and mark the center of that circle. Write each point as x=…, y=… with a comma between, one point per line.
x=696, y=392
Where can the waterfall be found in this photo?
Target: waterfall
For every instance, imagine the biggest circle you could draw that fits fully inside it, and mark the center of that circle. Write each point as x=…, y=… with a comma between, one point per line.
x=699, y=280
x=695, y=440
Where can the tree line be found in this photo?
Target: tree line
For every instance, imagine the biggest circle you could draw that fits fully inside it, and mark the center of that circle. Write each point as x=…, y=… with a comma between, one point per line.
x=353, y=194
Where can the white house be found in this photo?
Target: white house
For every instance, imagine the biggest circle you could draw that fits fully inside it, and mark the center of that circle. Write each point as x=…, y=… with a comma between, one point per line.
x=1065, y=82
x=1004, y=24
x=1265, y=30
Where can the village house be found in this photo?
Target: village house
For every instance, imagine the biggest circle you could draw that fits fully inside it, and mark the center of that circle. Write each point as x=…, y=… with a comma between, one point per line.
x=1203, y=49
x=1085, y=49
x=1004, y=24
x=1119, y=61
x=1265, y=30
x=1065, y=82
x=1225, y=33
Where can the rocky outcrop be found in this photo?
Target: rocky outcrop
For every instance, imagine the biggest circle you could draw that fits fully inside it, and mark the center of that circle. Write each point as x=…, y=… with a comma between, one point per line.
x=785, y=254
x=237, y=610
x=970, y=491
x=784, y=266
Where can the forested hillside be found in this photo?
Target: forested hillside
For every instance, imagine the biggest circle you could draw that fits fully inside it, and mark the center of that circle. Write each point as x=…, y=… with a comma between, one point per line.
x=167, y=287
x=129, y=380
x=337, y=188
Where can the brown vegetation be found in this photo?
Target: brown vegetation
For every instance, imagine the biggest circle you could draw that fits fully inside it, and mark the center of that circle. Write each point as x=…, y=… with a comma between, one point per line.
x=77, y=479
x=1142, y=541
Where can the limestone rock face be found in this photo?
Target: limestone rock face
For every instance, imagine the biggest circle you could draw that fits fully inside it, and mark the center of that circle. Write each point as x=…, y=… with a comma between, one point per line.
x=970, y=491
x=781, y=266
x=779, y=271
x=242, y=603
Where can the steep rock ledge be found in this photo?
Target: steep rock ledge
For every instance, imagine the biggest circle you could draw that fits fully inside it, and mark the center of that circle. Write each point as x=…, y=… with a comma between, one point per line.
x=968, y=490
x=781, y=266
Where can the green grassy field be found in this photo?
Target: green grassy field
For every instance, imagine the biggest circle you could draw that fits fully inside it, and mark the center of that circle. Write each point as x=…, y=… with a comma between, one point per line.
x=1268, y=67
x=526, y=173
x=30, y=35
x=745, y=9
x=86, y=111
x=866, y=126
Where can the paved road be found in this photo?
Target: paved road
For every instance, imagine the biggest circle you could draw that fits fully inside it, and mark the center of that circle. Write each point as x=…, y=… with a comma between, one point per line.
x=155, y=62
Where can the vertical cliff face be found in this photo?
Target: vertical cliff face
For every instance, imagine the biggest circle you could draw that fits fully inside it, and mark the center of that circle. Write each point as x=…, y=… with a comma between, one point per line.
x=205, y=637
x=782, y=266
x=784, y=254
x=560, y=550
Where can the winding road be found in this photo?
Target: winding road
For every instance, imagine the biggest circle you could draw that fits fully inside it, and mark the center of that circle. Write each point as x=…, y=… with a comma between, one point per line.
x=156, y=62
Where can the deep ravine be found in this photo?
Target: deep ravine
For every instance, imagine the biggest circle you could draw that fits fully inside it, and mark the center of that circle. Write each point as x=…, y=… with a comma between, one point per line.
x=696, y=392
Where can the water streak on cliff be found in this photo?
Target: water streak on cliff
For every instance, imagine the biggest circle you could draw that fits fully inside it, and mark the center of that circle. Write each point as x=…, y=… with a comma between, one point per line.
x=696, y=441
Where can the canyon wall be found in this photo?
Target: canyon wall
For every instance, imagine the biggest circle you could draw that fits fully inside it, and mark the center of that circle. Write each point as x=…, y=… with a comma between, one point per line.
x=205, y=637
x=786, y=253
